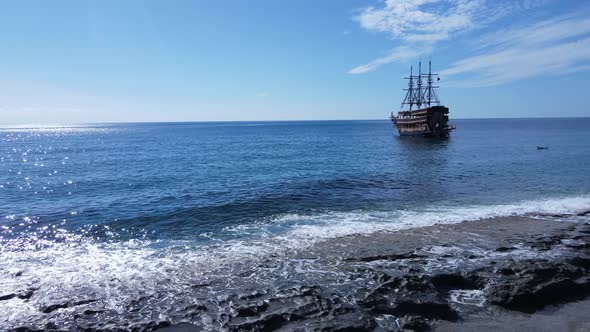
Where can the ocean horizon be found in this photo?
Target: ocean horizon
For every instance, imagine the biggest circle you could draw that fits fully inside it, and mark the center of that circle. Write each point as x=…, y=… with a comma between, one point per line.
x=9, y=125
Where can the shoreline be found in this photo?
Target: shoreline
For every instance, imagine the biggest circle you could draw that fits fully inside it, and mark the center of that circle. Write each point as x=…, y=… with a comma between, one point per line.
x=447, y=276
x=485, y=274
x=490, y=275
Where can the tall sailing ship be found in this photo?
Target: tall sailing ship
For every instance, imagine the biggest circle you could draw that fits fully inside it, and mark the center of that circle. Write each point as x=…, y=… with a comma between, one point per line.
x=421, y=112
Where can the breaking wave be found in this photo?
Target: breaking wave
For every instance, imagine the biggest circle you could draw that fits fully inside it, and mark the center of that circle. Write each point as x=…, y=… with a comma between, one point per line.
x=119, y=271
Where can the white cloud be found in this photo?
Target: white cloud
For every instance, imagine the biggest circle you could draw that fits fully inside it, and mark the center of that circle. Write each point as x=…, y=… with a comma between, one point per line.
x=420, y=20
x=554, y=46
x=399, y=53
x=420, y=24
x=262, y=94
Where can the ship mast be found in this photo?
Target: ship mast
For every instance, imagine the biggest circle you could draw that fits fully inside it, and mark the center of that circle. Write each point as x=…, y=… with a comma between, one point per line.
x=419, y=97
x=409, y=100
x=431, y=97
x=429, y=83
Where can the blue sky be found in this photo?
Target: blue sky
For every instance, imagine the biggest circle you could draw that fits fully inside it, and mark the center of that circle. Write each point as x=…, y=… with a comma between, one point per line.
x=211, y=60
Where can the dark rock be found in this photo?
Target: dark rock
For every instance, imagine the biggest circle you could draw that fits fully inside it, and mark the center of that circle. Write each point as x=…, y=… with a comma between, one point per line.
x=25, y=329
x=446, y=282
x=415, y=323
x=289, y=308
x=92, y=312
x=351, y=324
x=393, y=257
x=270, y=322
x=52, y=327
x=430, y=310
x=579, y=246
x=53, y=307
x=195, y=308
x=7, y=297
x=417, y=296
x=252, y=310
x=538, y=283
x=547, y=242
x=200, y=285
x=253, y=295
x=505, y=249
x=25, y=294
x=151, y=326
x=182, y=327
x=579, y=261
x=506, y=271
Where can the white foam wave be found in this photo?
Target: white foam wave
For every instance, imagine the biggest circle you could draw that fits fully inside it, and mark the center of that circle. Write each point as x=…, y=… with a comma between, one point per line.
x=117, y=272
x=333, y=225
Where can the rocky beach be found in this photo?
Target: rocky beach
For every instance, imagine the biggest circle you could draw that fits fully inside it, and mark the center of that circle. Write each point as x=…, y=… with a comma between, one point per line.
x=491, y=275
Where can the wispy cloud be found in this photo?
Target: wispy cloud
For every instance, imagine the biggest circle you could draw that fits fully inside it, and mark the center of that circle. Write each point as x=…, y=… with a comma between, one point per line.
x=418, y=25
x=549, y=47
x=420, y=20
x=399, y=53
x=262, y=94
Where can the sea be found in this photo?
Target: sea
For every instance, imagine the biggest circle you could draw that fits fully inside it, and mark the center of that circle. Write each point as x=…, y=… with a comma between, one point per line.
x=172, y=214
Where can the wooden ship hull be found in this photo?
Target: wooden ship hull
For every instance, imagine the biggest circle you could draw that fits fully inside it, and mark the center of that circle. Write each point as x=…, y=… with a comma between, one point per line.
x=430, y=118
x=427, y=122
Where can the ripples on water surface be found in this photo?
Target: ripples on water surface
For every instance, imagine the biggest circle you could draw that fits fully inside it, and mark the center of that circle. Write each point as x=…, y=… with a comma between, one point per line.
x=113, y=211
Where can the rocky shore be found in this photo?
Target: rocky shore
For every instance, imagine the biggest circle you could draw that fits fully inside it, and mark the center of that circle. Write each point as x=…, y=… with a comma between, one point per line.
x=489, y=275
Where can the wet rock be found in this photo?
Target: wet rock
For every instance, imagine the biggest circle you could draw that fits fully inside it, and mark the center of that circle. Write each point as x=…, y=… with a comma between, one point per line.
x=446, y=282
x=351, y=323
x=580, y=261
x=253, y=295
x=182, y=327
x=579, y=246
x=538, y=283
x=252, y=310
x=270, y=322
x=25, y=329
x=53, y=307
x=547, y=242
x=415, y=323
x=291, y=307
x=393, y=257
x=195, y=309
x=432, y=310
x=506, y=271
x=505, y=249
x=92, y=312
x=151, y=326
x=200, y=285
x=25, y=294
x=418, y=296
x=52, y=327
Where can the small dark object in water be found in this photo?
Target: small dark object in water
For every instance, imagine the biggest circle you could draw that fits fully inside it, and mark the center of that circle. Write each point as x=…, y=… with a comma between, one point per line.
x=542, y=147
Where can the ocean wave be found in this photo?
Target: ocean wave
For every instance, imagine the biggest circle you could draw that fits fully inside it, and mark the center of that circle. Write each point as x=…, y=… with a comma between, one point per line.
x=120, y=272
x=337, y=224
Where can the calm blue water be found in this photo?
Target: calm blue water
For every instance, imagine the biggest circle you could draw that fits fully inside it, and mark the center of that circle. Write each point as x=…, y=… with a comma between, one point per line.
x=188, y=180
x=143, y=220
